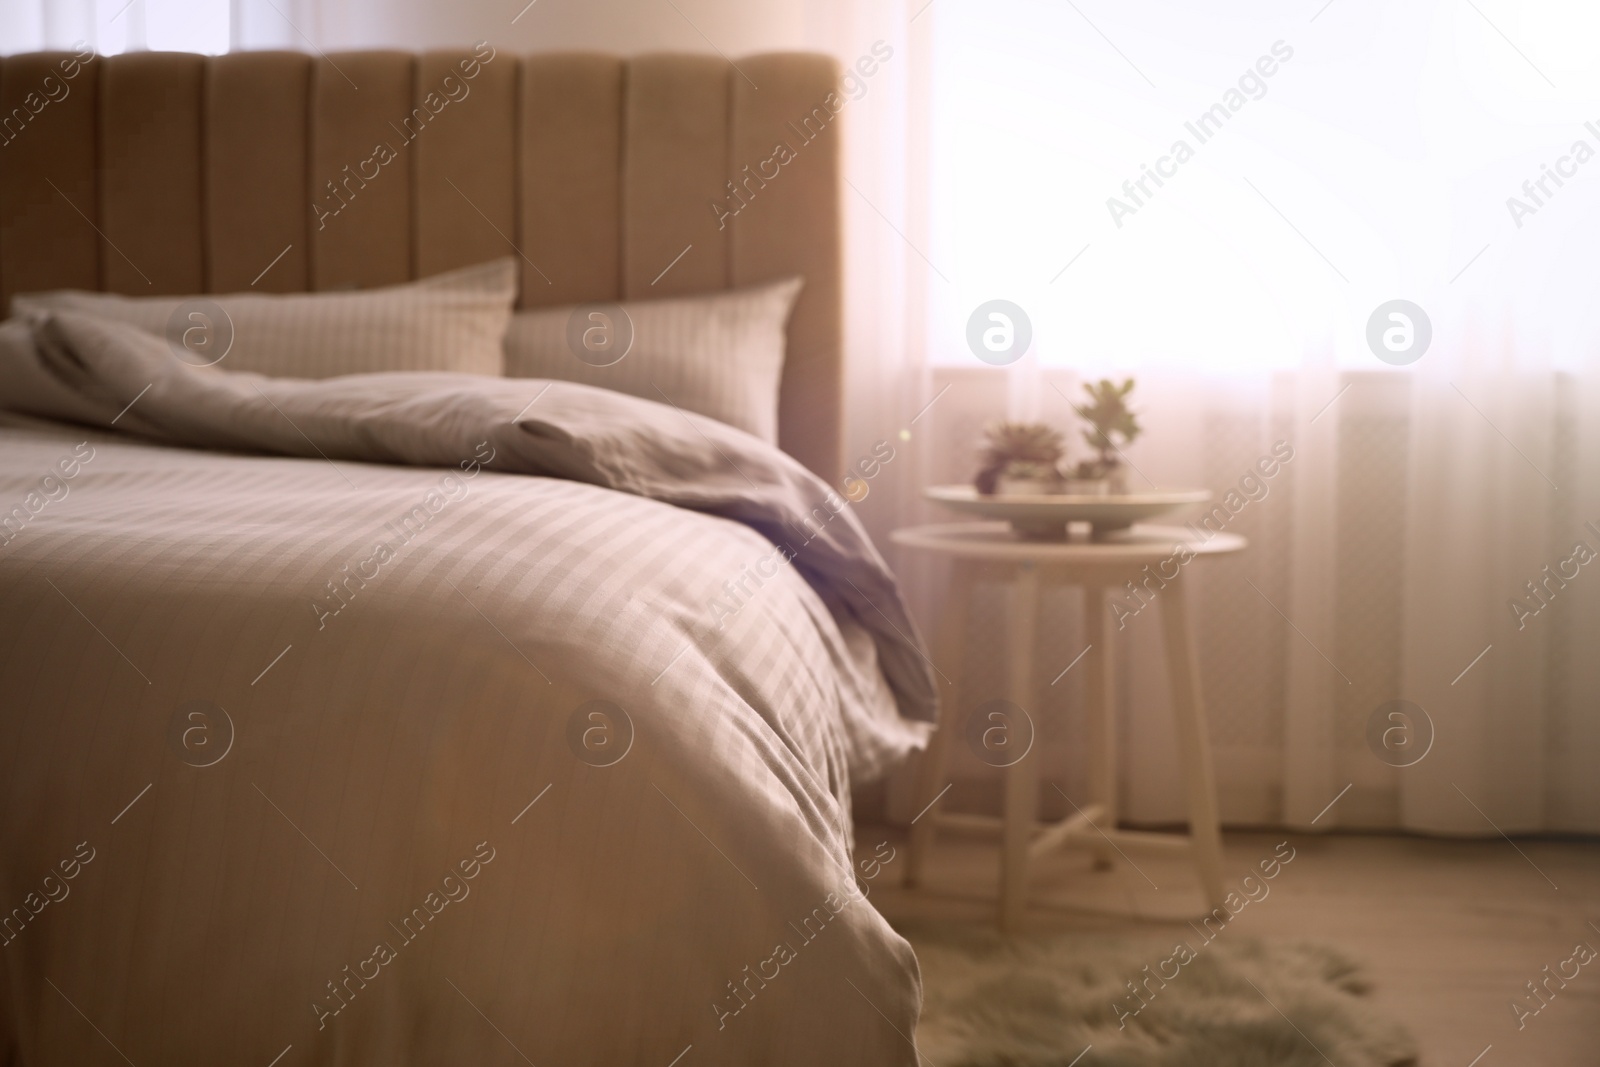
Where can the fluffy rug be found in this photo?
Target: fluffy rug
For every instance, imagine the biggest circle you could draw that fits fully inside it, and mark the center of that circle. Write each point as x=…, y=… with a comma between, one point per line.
x=994, y=1002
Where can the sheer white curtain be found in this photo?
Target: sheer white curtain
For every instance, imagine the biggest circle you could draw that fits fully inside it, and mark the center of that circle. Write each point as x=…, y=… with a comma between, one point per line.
x=1498, y=526
x=1355, y=154
x=885, y=221
x=113, y=26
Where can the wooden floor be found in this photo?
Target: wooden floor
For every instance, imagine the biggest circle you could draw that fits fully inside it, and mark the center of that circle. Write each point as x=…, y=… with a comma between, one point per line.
x=1450, y=931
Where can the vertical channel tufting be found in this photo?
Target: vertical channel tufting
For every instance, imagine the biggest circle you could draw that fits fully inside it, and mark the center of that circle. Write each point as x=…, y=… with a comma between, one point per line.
x=48, y=102
x=785, y=164
x=256, y=108
x=361, y=164
x=674, y=170
x=465, y=147
x=569, y=166
x=150, y=204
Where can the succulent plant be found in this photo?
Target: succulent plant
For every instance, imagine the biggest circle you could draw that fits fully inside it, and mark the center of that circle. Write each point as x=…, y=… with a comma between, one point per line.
x=1027, y=442
x=1027, y=449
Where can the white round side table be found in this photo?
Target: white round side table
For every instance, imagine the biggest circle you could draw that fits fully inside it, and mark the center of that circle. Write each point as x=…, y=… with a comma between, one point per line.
x=1154, y=559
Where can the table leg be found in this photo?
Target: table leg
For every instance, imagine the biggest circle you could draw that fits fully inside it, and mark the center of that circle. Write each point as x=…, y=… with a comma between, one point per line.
x=1100, y=701
x=1194, y=747
x=931, y=768
x=1022, y=776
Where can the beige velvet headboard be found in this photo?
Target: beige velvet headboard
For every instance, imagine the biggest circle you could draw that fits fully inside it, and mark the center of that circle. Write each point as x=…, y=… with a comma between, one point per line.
x=156, y=173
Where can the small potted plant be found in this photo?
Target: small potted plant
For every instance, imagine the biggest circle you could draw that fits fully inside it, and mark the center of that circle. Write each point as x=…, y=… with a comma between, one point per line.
x=1020, y=458
x=1088, y=477
x=1112, y=427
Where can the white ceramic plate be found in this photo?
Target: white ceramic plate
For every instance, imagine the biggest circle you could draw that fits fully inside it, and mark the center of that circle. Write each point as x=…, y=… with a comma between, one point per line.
x=1047, y=515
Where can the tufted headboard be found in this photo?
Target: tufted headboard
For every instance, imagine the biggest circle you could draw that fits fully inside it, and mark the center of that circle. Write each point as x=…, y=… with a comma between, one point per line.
x=157, y=172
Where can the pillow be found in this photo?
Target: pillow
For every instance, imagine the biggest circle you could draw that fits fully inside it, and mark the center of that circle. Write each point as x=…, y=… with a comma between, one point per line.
x=717, y=354
x=450, y=322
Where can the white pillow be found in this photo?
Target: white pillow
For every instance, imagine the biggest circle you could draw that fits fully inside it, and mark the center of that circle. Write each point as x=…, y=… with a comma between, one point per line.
x=450, y=322
x=717, y=354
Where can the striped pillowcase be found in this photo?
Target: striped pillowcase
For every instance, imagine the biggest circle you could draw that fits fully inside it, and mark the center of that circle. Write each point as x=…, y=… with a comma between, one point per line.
x=449, y=322
x=717, y=354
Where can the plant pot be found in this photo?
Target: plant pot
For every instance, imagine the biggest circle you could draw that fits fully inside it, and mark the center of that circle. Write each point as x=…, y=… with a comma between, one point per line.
x=1089, y=486
x=1009, y=486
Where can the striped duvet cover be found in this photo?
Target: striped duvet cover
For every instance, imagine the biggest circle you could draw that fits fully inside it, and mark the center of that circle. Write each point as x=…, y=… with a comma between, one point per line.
x=315, y=760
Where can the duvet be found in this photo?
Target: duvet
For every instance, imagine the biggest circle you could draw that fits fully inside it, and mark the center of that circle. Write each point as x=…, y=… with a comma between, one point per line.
x=420, y=719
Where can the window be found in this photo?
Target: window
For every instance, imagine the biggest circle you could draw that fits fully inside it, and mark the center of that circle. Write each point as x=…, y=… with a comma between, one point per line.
x=111, y=27
x=1230, y=186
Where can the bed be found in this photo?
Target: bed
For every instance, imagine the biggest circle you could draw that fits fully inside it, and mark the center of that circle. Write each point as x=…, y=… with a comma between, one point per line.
x=527, y=784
